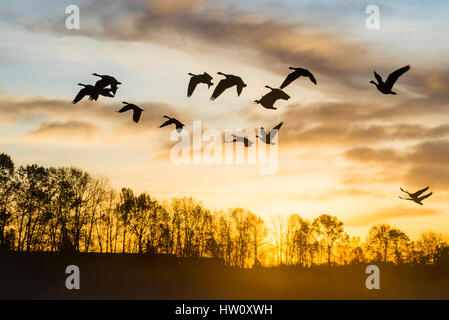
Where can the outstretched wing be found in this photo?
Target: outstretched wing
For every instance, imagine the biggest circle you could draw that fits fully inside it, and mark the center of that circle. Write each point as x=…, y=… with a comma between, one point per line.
x=125, y=108
x=167, y=123
x=114, y=86
x=419, y=192
x=178, y=123
x=282, y=95
x=290, y=78
x=395, y=75
x=378, y=77
x=192, y=85
x=106, y=93
x=268, y=100
x=81, y=94
x=274, y=131
x=136, y=115
x=93, y=93
x=239, y=89
x=101, y=84
x=307, y=73
x=221, y=87
x=425, y=197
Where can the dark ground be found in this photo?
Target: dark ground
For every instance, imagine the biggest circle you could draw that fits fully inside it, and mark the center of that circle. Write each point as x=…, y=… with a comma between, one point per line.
x=127, y=276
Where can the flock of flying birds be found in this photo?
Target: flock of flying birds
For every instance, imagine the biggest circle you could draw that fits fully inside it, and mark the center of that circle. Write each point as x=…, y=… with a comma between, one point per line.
x=107, y=86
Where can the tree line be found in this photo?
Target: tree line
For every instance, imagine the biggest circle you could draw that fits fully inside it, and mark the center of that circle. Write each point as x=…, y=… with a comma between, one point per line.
x=67, y=209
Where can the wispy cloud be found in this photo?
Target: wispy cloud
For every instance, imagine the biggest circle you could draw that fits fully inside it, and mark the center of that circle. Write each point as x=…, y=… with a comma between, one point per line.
x=56, y=130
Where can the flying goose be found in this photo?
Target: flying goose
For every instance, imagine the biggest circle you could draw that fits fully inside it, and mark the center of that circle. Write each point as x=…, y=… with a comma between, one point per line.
x=245, y=140
x=228, y=82
x=170, y=121
x=91, y=91
x=267, y=101
x=416, y=196
x=266, y=137
x=385, y=87
x=299, y=72
x=137, y=111
x=196, y=79
x=107, y=81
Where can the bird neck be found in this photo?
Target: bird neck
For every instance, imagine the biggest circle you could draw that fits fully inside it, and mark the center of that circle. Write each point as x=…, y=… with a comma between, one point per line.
x=375, y=83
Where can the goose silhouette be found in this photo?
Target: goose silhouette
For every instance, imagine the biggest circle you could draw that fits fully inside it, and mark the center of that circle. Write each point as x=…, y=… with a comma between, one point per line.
x=267, y=101
x=245, y=140
x=298, y=72
x=137, y=111
x=267, y=137
x=416, y=196
x=107, y=81
x=170, y=121
x=91, y=91
x=197, y=79
x=228, y=82
x=385, y=87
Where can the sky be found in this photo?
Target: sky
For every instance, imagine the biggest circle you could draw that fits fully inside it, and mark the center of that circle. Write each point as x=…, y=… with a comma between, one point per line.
x=344, y=148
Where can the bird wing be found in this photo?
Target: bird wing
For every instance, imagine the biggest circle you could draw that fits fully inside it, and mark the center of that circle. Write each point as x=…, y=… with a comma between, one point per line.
x=167, y=123
x=114, y=86
x=102, y=83
x=267, y=101
x=290, y=78
x=239, y=89
x=274, y=131
x=221, y=87
x=126, y=108
x=419, y=192
x=307, y=73
x=395, y=75
x=425, y=197
x=283, y=95
x=136, y=115
x=94, y=92
x=106, y=93
x=207, y=77
x=81, y=94
x=192, y=85
x=178, y=123
x=378, y=77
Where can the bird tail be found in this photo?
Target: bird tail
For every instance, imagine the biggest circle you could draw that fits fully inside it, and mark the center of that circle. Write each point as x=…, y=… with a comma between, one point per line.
x=256, y=101
x=191, y=74
x=125, y=102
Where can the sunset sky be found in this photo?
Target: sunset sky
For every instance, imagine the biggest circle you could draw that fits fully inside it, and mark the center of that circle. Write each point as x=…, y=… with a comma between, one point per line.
x=344, y=148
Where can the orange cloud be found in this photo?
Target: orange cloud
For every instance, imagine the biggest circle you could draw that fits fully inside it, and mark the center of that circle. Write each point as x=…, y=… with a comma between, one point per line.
x=63, y=130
